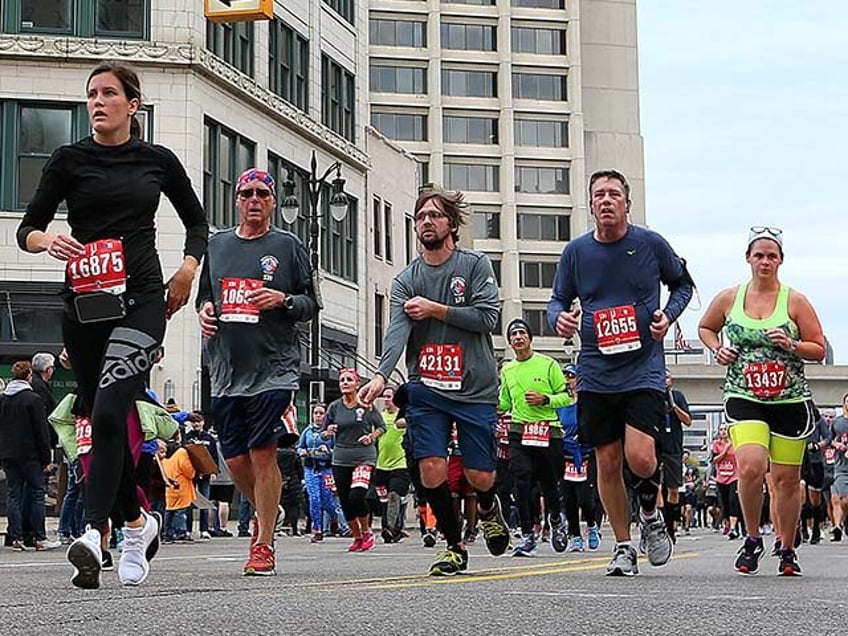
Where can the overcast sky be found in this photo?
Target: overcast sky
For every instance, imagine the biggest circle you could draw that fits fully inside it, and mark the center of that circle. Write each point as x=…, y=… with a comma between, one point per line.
x=745, y=121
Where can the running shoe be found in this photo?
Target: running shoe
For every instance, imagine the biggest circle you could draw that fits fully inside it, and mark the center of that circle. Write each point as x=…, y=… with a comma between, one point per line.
x=107, y=564
x=133, y=567
x=45, y=545
x=776, y=546
x=429, y=539
x=788, y=564
x=815, y=535
x=153, y=548
x=624, y=562
x=18, y=546
x=261, y=561
x=317, y=537
x=527, y=547
x=388, y=535
x=86, y=557
x=748, y=559
x=559, y=536
x=367, y=541
x=470, y=536
x=732, y=535
x=655, y=542
x=205, y=536
x=450, y=562
x=356, y=546
x=495, y=530
x=575, y=544
x=593, y=538
x=836, y=533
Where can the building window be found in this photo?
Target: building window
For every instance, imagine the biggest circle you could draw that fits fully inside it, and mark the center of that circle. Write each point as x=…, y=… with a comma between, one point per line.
x=125, y=19
x=540, y=87
x=480, y=3
x=226, y=154
x=496, y=267
x=400, y=126
x=539, y=4
x=544, y=227
x=379, y=321
x=538, y=41
x=398, y=79
x=387, y=225
x=472, y=176
x=397, y=33
x=541, y=132
x=288, y=64
x=485, y=224
x=30, y=315
x=471, y=130
x=279, y=169
x=377, y=220
x=409, y=234
x=539, y=180
x=468, y=37
x=338, y=95
x=469, y=83
x=233, y=42
x=538, y=321
x=338, y=245
x=537, y=274
x=343, y=7
x=423, y=170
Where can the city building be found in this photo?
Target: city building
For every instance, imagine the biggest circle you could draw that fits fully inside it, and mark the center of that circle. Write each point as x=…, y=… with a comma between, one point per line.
x=515, y=102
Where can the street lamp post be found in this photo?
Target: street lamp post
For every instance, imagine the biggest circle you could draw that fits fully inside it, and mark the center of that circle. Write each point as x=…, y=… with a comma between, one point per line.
x=338, y=210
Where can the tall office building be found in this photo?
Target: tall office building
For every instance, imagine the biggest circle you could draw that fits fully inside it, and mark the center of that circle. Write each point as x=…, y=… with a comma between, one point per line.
x=515, y=102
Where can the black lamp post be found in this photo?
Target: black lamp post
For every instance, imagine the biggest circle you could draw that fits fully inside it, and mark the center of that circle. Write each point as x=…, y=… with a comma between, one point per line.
x=338, y=210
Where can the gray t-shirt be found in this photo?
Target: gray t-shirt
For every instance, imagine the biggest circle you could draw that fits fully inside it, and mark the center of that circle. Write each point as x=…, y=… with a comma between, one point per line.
x=251, y=354
x=840, y=434
x=353, y=424
x=466, y=284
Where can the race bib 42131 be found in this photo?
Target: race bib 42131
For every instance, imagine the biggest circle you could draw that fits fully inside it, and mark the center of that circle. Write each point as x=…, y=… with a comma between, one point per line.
x=440, y=366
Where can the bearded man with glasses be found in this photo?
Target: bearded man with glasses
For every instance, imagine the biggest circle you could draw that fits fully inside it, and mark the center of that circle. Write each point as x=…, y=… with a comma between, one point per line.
x=257, y=282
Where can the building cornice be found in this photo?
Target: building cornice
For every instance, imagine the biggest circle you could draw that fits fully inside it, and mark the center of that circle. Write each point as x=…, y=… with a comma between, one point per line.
x=190, y=56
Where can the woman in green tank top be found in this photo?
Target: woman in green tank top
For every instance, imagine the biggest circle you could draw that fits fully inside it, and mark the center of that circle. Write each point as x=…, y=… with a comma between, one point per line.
x=770, y=331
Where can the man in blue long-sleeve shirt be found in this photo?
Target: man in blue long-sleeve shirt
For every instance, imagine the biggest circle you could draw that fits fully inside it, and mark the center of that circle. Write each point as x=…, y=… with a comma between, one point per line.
x=616, y=271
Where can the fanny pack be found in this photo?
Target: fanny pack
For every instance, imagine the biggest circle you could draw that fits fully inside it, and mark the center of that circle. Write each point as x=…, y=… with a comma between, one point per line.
x=98, y=307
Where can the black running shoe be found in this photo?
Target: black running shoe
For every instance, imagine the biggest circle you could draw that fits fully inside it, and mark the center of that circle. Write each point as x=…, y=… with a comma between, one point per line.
x=429, y=539
x=388, y=535
x=450, y=562
x=107, y=564
x=495, y=530
x=788, y=564
x=748, y=560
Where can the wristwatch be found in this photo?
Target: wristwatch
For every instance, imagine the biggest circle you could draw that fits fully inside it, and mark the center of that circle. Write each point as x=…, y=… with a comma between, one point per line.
x=794, y=344
x=288, y=303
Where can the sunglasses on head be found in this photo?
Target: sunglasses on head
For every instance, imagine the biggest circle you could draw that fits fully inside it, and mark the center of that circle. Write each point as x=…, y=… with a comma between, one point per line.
x=260, y=193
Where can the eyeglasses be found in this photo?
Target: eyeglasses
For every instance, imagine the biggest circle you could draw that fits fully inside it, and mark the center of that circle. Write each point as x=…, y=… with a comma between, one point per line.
x=433, y=214
x=260, y=193
x=764, y=229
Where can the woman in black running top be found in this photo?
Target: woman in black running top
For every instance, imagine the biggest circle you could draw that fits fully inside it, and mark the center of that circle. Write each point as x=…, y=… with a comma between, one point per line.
x=116, y=301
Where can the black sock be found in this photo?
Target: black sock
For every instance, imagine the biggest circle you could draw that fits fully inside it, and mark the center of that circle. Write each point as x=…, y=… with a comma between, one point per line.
x=646, y=490
x=440, y=501
x=485, y=500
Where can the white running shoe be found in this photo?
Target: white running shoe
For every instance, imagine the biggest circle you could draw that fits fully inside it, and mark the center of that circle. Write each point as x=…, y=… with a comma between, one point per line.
x=86, y=557
x=133, y=567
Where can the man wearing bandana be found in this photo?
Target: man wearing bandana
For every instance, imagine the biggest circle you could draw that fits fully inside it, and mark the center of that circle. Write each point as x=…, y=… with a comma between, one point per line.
x=257, y=282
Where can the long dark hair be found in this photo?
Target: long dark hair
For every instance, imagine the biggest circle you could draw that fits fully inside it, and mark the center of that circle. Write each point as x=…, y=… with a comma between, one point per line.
x=130, y=83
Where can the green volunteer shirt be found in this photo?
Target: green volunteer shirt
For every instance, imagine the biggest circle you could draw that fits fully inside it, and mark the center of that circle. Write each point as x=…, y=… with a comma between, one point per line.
x=391, y=455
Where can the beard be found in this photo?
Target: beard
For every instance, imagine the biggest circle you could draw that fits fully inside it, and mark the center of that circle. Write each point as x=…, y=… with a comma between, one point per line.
x=434, y=243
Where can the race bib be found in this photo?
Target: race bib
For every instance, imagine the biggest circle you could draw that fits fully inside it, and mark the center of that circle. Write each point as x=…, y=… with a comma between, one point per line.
x=101, y=268
x=234, y=306
x=576, y=473
x=330, y=482
x=725, y=469
x=83, y=434
x=536, y=434
x=829, y=456
x=361, y=476
x=765, y=379
x=440, y=366
x=616, y=330
x=382, y=493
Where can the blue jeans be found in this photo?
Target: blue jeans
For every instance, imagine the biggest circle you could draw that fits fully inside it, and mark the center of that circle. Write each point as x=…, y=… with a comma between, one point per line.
x=73, y=505
x=20, y=474
x=175, y=523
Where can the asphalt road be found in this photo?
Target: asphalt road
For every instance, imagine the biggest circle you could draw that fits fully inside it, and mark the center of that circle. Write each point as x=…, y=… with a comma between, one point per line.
x=321, y=589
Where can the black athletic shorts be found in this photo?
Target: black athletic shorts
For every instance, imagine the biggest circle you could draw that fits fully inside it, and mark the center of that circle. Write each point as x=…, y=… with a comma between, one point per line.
x=602, y=416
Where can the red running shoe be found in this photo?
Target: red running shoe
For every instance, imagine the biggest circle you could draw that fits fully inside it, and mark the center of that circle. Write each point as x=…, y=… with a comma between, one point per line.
x=261, y=561
x=367, y=541
x=356, y=546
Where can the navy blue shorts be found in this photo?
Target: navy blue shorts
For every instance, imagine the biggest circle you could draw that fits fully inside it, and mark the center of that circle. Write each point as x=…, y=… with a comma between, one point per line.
x=245, y=422
x=430, y=417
